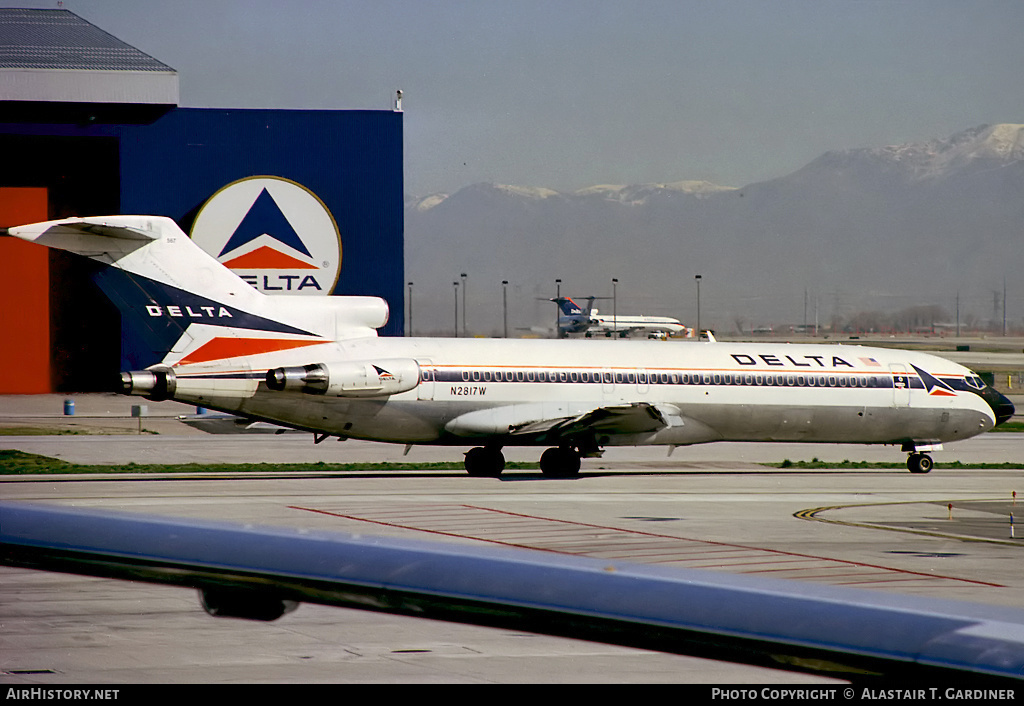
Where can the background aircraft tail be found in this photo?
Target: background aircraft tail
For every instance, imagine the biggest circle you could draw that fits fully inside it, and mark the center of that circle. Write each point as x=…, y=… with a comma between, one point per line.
x=179, y=306
x=568, y=306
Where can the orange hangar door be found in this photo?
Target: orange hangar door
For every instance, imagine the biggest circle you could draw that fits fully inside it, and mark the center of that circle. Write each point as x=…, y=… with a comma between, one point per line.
x=24, y=297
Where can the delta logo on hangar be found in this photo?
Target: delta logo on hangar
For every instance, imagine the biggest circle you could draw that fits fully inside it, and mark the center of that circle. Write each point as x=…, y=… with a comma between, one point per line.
x=274, y=233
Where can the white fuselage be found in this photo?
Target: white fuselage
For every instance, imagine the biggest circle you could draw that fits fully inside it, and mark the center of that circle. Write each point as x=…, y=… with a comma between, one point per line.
x=317, y=364
x=603, y=323
x=474, y=390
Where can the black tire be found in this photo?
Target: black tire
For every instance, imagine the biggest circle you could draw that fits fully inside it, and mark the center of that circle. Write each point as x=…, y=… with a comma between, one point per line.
x=483, y=462
x=919, y=463
x=560, y=462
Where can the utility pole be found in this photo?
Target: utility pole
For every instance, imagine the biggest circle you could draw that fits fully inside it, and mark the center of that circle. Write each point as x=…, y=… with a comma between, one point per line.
x=464, y=331
x=958, y=313
x=410, y=307
x=615, y=307
x=805, y=311
x=455, y=287
x=699, y=330
x=558, y=307
x=504, y=304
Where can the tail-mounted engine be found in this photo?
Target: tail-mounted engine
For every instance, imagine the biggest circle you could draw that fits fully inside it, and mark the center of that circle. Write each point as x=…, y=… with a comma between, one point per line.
x=349, y=379
x=157, y=384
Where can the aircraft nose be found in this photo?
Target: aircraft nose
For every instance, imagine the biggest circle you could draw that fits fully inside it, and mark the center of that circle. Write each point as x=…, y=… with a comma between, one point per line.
x=1001, y=406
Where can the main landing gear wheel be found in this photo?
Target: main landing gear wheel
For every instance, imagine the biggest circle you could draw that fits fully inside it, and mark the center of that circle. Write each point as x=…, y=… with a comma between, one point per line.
x=919, y=463
x=484, y=462
x=560, y=462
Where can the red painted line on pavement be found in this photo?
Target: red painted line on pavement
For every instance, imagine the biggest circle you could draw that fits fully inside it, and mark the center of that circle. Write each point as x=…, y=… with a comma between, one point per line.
x=720, y=547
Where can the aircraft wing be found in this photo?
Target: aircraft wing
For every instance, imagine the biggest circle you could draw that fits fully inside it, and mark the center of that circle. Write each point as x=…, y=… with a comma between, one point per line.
x=654, y=328
x=635, y=418
x=223, y=423
x=560, y=420
x=261, y=573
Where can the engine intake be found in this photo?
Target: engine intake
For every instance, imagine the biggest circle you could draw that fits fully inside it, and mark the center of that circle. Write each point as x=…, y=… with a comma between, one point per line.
x=350, y=379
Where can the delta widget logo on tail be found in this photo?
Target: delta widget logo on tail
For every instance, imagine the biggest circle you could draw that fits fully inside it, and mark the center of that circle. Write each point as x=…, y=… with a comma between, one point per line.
x=274, y=233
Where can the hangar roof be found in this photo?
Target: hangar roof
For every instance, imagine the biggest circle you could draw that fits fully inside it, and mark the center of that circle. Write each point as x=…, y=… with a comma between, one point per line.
x=59, y=39
x=56, y=56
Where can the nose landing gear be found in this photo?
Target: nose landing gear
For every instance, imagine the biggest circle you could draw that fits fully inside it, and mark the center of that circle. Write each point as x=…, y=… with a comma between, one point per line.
x=919, y=463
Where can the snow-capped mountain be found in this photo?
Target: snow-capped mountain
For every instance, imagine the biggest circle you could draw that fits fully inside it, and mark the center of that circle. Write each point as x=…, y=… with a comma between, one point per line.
x=867, y=228
x=980, y=148
x=636, y=194
x=986, y=146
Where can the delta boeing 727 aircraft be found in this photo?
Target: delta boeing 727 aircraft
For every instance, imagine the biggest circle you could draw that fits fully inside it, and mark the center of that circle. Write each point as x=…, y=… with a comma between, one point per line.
x=317, y=364
x=587, y=320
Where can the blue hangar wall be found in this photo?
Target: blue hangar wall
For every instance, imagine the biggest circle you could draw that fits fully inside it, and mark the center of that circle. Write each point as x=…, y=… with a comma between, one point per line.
x=229, y=176
x=351, y=161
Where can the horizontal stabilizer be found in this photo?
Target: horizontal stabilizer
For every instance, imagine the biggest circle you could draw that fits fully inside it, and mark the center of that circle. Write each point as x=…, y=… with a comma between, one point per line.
x=124, y=227
x=96, y=236
x=183, y=307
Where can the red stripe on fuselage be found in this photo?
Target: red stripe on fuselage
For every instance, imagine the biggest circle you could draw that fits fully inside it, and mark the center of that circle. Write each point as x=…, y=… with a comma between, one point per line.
x=220, y=348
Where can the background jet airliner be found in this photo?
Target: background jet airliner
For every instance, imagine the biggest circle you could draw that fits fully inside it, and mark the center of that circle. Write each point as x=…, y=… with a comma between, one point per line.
x=589, y=321
x=317, y=364
x=572, y=318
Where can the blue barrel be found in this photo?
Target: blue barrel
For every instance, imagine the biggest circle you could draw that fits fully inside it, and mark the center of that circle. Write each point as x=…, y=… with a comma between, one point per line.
x=69, y=408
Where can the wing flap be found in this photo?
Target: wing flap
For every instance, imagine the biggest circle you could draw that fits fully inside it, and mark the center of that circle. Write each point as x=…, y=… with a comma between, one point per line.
x=635, y=418
x=559, y=419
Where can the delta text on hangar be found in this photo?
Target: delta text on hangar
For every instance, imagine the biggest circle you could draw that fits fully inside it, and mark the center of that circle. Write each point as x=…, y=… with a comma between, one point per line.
x=301, y=202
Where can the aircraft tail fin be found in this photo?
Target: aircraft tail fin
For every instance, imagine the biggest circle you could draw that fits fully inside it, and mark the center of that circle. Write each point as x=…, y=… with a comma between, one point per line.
x=179, y=306
x=567, y=306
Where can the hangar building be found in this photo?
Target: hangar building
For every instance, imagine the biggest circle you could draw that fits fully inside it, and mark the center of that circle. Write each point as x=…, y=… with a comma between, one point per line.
x=300, y=202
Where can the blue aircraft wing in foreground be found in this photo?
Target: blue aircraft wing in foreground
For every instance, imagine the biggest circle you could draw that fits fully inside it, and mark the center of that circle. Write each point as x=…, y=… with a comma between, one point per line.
x=262, y=573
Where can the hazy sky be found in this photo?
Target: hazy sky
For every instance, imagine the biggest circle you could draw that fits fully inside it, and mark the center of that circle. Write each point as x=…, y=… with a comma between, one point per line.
x=570, y=93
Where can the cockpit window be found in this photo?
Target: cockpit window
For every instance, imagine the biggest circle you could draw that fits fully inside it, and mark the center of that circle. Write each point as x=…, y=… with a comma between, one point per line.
x=975, y=382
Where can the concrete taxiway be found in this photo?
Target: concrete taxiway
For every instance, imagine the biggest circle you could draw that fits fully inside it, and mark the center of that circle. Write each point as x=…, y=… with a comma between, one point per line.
x=945, y=534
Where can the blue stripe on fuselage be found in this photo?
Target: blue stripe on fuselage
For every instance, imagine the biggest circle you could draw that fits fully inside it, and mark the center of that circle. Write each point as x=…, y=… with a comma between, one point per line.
x=632, y=376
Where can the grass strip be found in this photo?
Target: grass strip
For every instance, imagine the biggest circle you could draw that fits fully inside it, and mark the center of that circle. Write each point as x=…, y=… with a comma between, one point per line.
x=954, y=465
x=20, y=463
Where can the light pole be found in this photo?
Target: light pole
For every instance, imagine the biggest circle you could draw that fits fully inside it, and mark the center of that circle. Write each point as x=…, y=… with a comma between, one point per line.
x=958, y=313
x=698, y=306
x=558, y=307
x=504, y=304
x=410, y=310
x=463, y=276
x=805, y=311
x=615, y=307
x=455, y=287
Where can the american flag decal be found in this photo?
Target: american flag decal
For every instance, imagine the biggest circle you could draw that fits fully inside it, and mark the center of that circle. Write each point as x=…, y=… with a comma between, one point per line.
x=871, y=362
